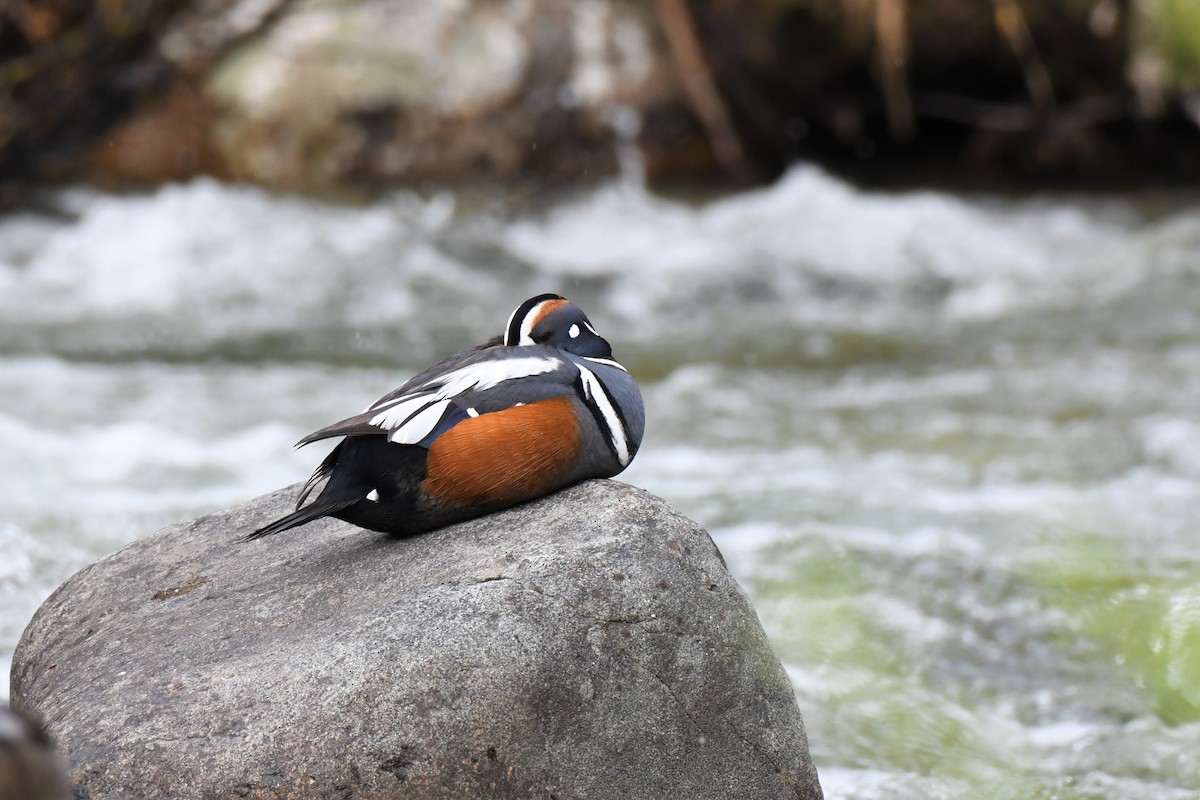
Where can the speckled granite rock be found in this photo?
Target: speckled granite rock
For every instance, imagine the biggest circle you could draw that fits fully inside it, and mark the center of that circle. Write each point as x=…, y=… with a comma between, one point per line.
x=588, y=645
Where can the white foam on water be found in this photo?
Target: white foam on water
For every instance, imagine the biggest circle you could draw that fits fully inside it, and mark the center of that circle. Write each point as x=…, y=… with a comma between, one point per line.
x=98, y=454
x=932, y=479
x=1171, y=440
x=816, y=245
x=206, y=262
x=844, y=783
x=30, y=569
x=1066, y=733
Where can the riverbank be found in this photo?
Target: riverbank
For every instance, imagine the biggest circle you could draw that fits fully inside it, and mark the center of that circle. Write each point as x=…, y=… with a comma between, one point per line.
x=315, y=95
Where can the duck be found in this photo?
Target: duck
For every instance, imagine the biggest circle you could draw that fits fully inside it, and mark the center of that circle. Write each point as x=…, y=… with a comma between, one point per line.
x=538, y=408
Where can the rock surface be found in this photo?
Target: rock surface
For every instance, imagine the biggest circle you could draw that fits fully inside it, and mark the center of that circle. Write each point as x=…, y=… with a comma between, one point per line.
x=591, y=644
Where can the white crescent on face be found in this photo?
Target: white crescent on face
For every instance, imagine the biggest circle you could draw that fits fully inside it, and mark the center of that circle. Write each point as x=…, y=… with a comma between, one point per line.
x=530, y=320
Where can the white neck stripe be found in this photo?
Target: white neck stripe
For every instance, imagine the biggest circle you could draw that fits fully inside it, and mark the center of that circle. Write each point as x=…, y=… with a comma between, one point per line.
x=598, y=398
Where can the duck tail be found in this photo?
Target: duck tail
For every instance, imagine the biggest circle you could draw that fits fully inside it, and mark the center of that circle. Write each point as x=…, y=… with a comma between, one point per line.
x=302, y=516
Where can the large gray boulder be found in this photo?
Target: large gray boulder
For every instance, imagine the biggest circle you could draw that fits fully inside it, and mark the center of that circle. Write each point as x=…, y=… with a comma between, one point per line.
x=591, y=645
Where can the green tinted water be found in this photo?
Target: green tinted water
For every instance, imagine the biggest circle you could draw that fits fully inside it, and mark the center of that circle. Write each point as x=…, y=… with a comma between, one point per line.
x=950, y=446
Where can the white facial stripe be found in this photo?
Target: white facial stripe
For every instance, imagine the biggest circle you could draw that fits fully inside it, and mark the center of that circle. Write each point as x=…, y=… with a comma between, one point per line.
x=573, y=332
x=533, y=316
x=596, y=395
x=590, y=328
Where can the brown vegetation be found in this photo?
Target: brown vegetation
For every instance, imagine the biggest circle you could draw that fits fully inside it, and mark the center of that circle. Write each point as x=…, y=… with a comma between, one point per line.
x=122, y=91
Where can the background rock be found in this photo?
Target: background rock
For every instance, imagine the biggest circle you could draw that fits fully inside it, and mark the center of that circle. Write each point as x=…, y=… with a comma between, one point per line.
x=381, y=90
x=325, y=94
x=591, y=644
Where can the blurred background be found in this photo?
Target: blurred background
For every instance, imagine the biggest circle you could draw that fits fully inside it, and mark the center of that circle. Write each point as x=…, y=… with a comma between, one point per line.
x=912, y=288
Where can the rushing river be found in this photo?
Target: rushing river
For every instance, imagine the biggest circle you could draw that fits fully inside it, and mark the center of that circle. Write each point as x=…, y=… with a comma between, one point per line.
x=950, y=445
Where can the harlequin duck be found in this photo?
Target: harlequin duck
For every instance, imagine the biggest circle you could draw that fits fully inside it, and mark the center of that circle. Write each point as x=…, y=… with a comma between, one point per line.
x=539, y=408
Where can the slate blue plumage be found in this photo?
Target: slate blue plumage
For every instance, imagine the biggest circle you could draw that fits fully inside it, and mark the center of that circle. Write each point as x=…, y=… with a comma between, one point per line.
x=538, y=408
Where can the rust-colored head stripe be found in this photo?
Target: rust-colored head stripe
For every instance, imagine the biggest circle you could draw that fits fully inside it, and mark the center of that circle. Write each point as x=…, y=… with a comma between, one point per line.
x=528, y=315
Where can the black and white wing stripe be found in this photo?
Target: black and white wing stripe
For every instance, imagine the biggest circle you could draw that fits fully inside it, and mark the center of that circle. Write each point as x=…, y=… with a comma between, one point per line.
x=413, y=415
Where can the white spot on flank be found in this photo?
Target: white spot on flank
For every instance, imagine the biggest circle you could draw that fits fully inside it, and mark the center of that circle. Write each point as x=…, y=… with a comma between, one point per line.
x=373, y=495
x=573, y=332
x=471, y=412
